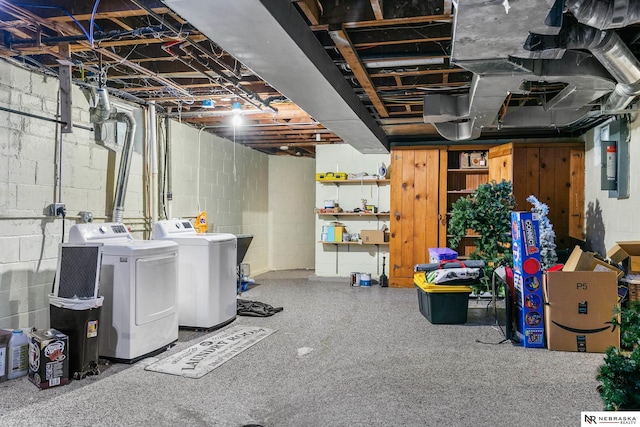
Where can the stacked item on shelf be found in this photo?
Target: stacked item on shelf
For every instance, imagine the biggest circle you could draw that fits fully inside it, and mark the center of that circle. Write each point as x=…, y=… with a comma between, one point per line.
x=443, y=286
x=331, y=176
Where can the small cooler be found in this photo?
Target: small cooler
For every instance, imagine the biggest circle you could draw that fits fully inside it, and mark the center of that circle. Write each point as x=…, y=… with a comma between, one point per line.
x=442, y=304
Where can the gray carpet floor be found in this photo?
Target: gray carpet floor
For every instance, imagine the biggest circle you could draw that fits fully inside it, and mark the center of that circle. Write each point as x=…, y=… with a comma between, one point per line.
x=373, y=360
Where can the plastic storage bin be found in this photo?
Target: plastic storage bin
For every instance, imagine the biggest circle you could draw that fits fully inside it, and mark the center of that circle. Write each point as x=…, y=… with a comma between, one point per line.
x=442, y=304
x=442, y=254
x=80, y=323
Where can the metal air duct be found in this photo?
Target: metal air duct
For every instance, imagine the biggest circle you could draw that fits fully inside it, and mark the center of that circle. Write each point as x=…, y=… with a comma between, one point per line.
x=610, y=50
x=605, y=14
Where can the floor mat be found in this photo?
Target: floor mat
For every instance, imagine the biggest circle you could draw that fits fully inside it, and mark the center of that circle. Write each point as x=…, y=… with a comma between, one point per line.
x=200, y=359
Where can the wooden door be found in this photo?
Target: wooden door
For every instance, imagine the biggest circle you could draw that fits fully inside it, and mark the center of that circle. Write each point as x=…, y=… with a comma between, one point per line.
x=501, y=163
x=415, y=178
x=553, y=173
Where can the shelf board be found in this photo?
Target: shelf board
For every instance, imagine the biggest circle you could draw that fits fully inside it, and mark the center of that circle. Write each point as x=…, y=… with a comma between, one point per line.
x=351, y=243
x=354, y=214
x=466, y=170
x=355, y=181
x=460, y=191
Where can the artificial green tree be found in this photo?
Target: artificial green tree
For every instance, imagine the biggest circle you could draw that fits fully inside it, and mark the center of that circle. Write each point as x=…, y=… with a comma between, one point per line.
x=620, y=373
x=487, y=211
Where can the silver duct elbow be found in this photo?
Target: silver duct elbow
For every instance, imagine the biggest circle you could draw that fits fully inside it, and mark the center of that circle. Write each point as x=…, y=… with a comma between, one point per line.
x=101, y=112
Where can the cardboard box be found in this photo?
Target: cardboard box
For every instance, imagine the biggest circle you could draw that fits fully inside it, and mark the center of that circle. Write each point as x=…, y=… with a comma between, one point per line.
x=48, y=358
x=579, y=308
x=627, y=252
x=527, y=278
x=474, y=160
x=587, y=261
x=374, y=236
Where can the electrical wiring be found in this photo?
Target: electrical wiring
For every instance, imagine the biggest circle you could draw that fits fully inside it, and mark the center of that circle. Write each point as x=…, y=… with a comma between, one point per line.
x=64, y=10
x=92, y=21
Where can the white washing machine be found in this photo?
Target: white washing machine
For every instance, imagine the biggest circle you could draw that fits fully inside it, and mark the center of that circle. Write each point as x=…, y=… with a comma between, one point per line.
x=139, y=283
x=207, y=285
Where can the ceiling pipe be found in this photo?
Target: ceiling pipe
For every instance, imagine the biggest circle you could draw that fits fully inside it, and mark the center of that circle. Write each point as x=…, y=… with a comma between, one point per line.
x=605, y=14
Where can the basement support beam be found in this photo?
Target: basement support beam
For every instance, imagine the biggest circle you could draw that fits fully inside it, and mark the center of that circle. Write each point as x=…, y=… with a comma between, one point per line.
x=64, y=75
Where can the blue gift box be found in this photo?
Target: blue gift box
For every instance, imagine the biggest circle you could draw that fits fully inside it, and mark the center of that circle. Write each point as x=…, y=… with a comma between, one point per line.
x=527, y=278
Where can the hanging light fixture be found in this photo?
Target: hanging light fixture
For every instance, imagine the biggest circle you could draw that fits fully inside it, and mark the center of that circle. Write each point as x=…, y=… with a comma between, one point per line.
x=236, y=108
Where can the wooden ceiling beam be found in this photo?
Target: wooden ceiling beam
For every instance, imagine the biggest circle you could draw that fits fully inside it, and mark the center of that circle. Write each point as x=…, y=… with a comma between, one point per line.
x=311, y=10
x=376, y=5
x=125, y=13
x=403, y=41
x=429, y=85
x=132, y=42
x=398, y=21
x=120, y=23
x=419, y=72
x=64, y=28
x=342, y=42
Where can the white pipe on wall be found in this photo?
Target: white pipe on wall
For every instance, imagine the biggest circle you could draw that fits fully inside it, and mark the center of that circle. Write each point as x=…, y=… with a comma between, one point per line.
x=153, y=197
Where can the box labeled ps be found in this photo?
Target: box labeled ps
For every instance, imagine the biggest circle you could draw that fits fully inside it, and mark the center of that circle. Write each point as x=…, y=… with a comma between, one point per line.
x=527, y=278
x=48, y=358
x=579, y=310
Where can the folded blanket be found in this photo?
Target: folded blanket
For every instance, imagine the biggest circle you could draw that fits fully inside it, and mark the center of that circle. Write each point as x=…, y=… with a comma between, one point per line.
x=256, y=309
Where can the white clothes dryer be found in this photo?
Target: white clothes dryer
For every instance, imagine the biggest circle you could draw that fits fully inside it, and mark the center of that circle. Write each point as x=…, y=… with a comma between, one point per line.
x=139, y=283
x=208, y=280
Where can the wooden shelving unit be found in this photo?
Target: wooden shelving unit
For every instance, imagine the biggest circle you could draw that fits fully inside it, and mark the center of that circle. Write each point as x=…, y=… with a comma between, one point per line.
x=348, y=194
x=462, y=182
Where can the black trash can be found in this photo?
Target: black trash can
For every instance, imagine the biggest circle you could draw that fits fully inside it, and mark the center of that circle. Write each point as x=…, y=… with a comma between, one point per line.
x=80, y=324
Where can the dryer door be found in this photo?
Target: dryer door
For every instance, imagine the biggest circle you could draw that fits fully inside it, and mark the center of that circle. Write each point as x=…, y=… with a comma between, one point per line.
x=156, y=287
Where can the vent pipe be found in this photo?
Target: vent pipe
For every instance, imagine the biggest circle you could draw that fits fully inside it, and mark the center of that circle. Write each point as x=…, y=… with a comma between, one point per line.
x=125, y=163
x=100, y=114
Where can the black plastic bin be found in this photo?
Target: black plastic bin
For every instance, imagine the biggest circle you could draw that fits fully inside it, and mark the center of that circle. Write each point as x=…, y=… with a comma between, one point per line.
x=81, y=326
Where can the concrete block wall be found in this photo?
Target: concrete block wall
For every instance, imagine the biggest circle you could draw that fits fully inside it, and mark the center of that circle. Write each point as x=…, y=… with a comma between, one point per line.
x=231, y=184
x=291, y=214
x=340, y=261
x=28, y=238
